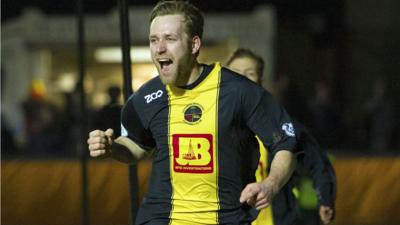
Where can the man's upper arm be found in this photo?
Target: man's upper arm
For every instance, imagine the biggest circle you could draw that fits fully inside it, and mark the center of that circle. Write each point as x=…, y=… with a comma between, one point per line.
x=269, y=120
x=133, y=127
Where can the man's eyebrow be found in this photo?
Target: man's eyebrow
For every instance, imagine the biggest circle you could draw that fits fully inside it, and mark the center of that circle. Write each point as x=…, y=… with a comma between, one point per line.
x=164, y=34
x=152, y=36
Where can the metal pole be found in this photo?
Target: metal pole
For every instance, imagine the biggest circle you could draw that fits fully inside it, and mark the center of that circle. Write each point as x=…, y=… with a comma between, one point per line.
x=127, y=90
x=125, y=46
x=83, y=112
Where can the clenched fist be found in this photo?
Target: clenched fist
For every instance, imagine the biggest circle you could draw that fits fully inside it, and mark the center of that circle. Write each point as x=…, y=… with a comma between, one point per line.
x=100, y=143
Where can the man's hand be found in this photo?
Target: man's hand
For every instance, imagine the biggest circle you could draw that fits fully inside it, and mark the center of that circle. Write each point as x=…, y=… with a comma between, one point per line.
x=259, y=195
x=326, y=214
x=100, y=143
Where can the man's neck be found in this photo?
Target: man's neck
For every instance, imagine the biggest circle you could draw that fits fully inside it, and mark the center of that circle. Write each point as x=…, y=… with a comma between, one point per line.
x=195, y=74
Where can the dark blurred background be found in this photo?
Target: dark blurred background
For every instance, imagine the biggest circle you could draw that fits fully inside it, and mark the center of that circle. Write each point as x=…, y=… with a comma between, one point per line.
x=333, y=64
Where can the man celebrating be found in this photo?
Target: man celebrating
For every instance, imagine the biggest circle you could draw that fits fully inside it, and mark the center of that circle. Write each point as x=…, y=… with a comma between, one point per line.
x=201, y=121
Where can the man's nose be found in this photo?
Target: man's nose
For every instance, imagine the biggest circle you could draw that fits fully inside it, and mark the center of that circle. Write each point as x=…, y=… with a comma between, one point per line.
x=161, y=47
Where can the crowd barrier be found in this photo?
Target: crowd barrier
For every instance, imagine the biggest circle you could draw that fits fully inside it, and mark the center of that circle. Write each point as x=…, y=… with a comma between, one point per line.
x=48, y=192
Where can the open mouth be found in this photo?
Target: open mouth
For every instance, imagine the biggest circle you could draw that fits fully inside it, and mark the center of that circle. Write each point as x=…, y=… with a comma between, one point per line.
x=164, y=63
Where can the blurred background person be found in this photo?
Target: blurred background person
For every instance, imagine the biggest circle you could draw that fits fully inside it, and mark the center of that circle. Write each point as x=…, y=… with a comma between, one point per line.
x=43, y=134
x=109, y=116
x=325, y=122
x=380, y=118
x=287, y=92
x=312, y=162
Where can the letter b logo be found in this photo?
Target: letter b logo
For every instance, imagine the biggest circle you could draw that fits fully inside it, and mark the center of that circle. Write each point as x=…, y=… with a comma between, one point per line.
x=193, y=153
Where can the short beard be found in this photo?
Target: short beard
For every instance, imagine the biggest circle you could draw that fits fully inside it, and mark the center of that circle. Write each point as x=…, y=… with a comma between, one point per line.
x=166, y=81
x=182, y=75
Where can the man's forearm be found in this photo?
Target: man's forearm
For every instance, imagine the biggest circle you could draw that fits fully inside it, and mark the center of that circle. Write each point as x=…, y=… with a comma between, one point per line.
x=282, y=167
x=125, y=150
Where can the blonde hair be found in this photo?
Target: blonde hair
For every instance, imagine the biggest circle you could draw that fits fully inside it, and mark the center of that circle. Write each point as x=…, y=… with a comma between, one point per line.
x=194, y=20
x=241, y=53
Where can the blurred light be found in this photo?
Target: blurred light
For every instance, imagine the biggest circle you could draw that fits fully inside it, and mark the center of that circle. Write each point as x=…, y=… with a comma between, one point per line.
x=142, y=73
x=114, y=54
x=66, y=82
x=100, y=99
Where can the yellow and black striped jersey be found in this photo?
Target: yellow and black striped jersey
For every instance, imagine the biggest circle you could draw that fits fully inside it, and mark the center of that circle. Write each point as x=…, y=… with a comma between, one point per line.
x=205, y=146
x=265, y=215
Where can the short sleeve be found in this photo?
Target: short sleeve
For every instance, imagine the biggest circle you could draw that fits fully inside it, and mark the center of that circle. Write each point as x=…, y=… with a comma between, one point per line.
x=133, y=127
x=269, y=120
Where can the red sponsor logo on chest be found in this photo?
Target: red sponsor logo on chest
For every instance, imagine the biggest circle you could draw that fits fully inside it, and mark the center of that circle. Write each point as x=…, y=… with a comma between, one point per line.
x=193, y=153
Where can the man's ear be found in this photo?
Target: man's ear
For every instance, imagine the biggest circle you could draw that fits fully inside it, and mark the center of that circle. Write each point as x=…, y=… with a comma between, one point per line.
x=196, y=44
